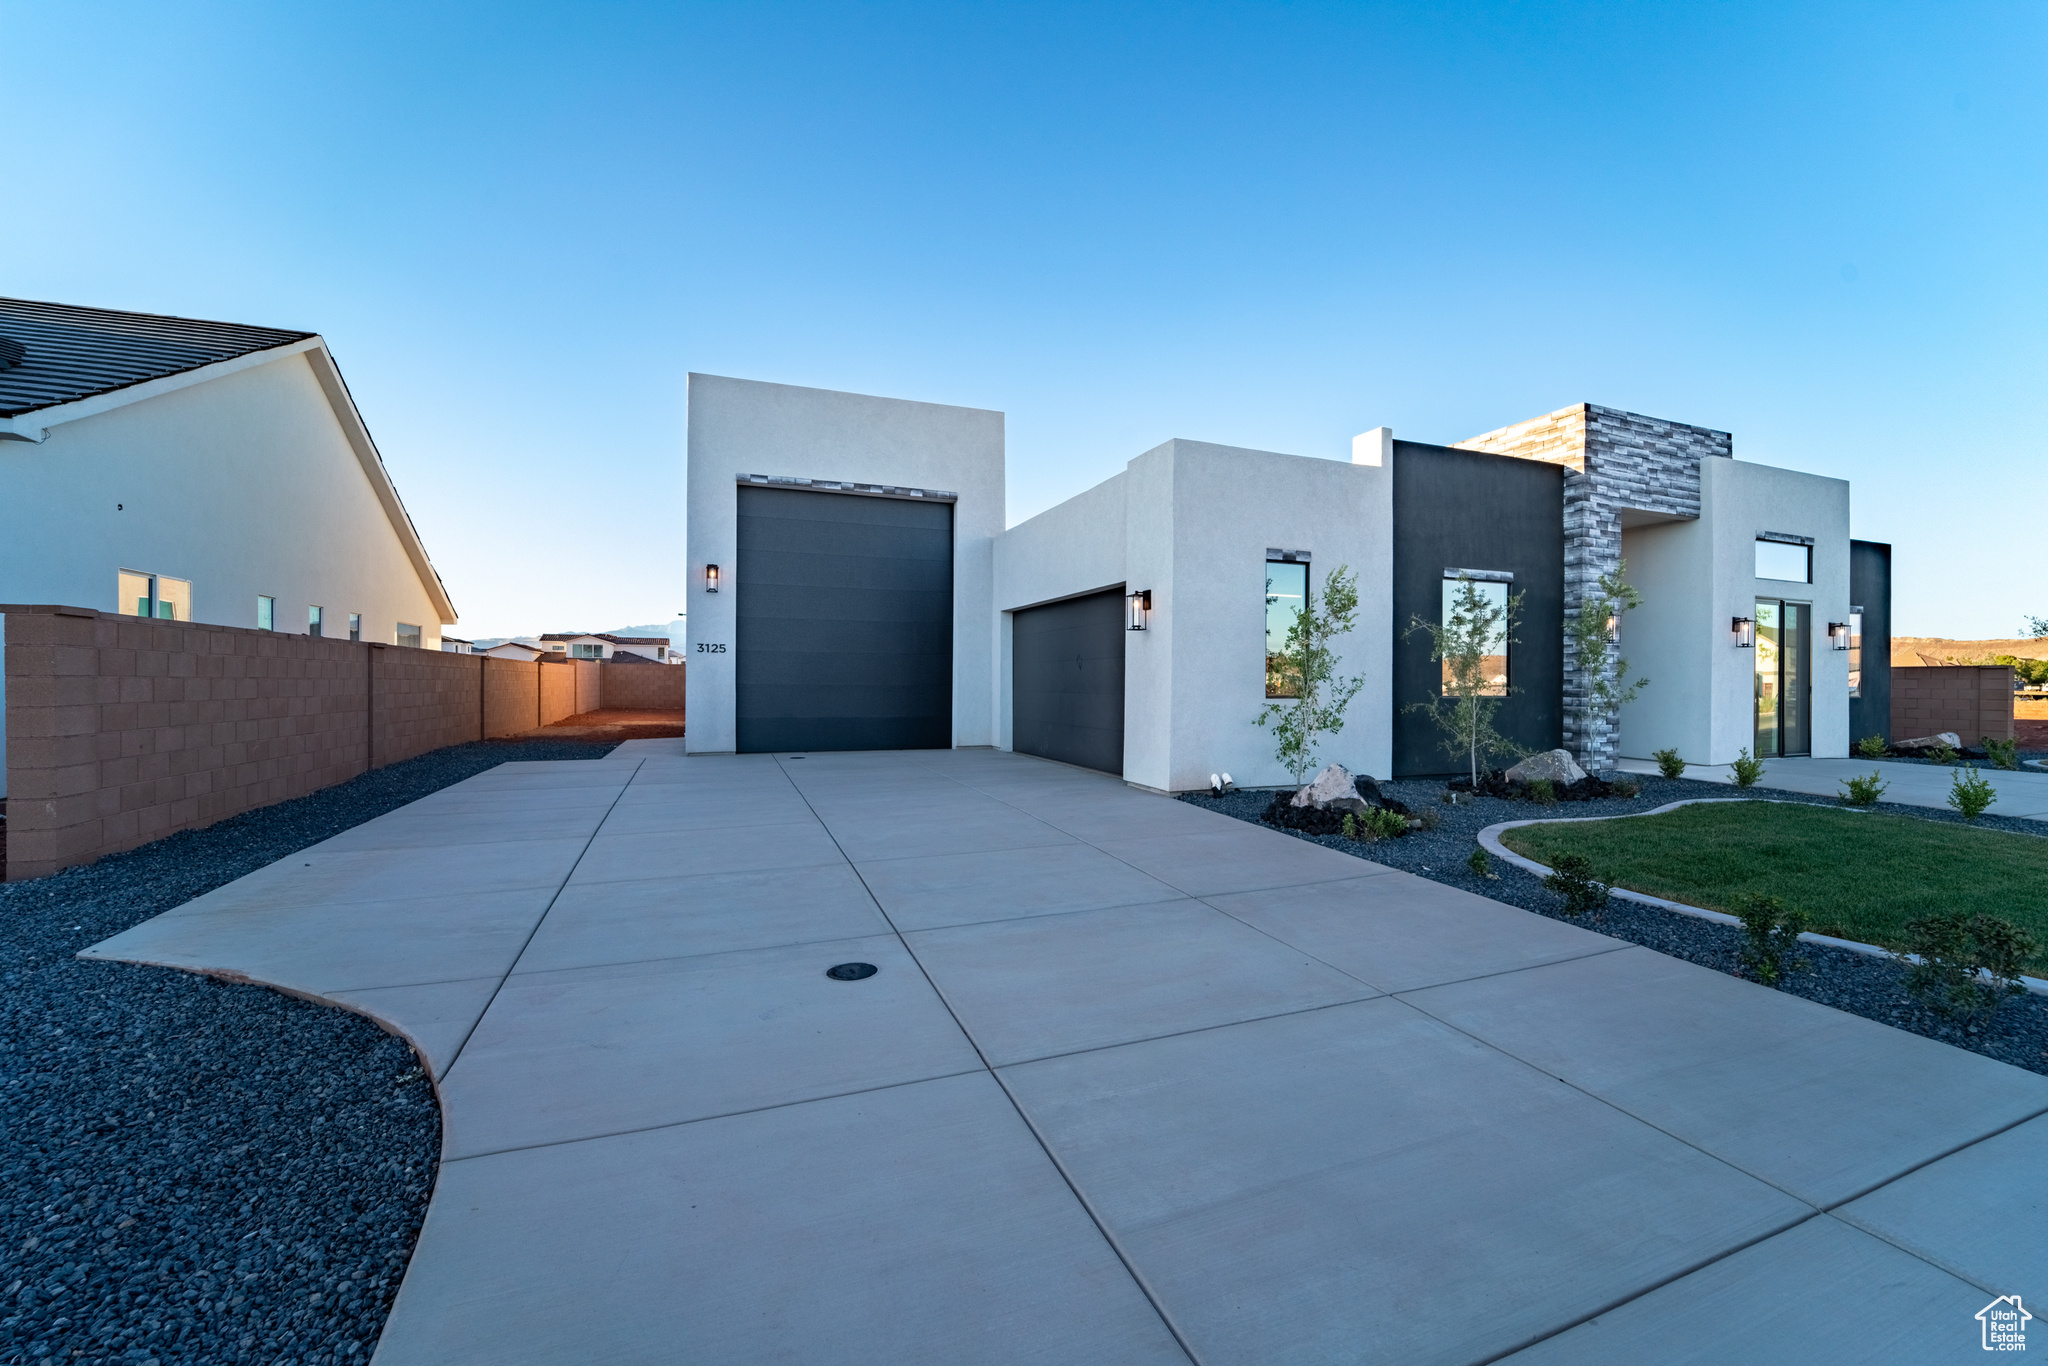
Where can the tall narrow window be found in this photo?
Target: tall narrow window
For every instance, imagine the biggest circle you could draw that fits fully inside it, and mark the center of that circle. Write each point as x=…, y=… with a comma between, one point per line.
x=1855, y=652
x=1286, y=594
x=355, y=625
x=408, y=635
x=266, y=614
x=313, y=621
x=1492, y=599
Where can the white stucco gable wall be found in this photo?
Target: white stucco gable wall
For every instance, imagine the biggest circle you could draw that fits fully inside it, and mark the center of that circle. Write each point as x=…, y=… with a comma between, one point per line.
x=244, y=484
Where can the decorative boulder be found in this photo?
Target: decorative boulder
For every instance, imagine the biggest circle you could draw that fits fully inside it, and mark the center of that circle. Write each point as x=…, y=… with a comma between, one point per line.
x=1947, y=737
x=1333, y=790
x=1367, y=790
x=1557, y=765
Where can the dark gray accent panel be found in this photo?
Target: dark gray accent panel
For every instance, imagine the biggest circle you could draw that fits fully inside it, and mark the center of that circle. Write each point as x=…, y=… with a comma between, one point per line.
x=1870, y=587
x=844, y=637
x=1454, y=507
x=1067, y=681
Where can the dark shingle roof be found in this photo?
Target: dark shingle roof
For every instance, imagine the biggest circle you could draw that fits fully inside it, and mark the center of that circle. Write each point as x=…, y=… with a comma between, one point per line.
x=57, y=353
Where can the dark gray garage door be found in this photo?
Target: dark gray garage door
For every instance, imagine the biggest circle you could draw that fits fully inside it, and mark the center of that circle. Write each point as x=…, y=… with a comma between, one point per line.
x=845, y=631
x=1067, y=681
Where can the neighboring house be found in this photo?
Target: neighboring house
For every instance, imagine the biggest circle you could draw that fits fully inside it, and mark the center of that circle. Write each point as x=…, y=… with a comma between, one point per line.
x=857, y=589
x=202, y=471
x=515, y=649
x=597, y=645
x=454, y=645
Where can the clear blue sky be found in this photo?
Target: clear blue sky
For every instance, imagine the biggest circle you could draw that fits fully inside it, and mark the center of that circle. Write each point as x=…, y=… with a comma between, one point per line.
x=1817, y=226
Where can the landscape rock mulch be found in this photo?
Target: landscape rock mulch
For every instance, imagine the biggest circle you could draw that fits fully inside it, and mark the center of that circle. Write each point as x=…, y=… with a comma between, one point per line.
x=197, y=1171
x=1857, y=983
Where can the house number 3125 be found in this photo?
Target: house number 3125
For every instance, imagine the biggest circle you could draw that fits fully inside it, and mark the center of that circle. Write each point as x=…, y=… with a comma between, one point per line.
x=706, y=648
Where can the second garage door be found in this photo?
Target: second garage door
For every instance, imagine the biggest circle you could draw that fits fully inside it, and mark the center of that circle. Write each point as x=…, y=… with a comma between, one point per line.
x=845, y=622
x=1067, y=681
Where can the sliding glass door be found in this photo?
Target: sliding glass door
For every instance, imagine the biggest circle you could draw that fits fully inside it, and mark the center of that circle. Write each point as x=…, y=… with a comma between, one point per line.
x=1784, y=687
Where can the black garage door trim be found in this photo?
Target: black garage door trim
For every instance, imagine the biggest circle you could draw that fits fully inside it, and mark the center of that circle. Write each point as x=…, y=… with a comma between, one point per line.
x=844, y=631
x=1067, y=681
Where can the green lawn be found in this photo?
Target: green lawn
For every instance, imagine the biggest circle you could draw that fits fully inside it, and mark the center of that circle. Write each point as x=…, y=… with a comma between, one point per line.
x=1859, y=875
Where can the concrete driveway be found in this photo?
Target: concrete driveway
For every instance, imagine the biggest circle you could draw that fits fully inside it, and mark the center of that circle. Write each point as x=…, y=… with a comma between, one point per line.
x=2020, y=794
x=1134, y=1082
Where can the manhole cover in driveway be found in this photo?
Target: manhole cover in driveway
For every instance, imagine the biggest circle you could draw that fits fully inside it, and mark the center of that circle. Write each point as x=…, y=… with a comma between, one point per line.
x=851, y=972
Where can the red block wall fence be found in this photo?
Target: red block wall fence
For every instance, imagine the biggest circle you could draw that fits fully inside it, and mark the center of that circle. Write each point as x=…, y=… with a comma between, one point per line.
x=121, y=730
x=1973, y=700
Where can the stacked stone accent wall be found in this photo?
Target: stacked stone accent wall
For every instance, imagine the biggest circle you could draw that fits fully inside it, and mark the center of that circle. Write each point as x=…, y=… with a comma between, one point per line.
x=1973, y=700
x=1615, y=462
x=121, y=729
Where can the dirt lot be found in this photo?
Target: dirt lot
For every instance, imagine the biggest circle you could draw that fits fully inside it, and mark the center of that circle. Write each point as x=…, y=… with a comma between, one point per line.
x=613, y=724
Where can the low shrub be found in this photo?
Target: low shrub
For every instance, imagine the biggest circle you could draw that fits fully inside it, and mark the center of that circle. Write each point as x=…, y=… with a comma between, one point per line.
x=1541, y=791
x=1942, y=754
x=1382, y=823
x=1668, y=763
x=2004, y=753
x=1625, y=787
x=1746, y=770
x=1864, y=791
x=1968, y=964
x=1572, y=878
x=1481, y=865
x=1374, y=824
x=1971, y=793
x=1431, y=818
x=1773, y=934
x=1871, y=747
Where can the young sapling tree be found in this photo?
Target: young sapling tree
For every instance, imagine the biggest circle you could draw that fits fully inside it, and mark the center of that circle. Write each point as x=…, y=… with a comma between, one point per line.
x=1478, y=628
x=1309, y=662
x=1595, y=634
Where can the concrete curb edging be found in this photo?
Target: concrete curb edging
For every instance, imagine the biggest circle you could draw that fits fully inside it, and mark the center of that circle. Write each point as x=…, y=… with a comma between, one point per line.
x=1489, y=840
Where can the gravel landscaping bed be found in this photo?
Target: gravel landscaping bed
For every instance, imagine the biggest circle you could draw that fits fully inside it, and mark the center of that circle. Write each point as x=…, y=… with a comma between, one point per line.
x=203, y=1171
x=1858, y=983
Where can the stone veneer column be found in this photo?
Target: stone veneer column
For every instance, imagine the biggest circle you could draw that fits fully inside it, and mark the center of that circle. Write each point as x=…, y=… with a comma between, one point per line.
x=1614, y=462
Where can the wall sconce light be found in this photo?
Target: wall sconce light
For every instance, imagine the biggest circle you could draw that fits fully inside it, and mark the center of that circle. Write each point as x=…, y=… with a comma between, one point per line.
x=1141, y=607
x=1838, y=634
x=1745, y=632
x=711, y=578
x=1614, y=626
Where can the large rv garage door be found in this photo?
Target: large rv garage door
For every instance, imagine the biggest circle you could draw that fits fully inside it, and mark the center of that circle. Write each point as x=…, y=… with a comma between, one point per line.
x=1067, y=681
x=845, y=622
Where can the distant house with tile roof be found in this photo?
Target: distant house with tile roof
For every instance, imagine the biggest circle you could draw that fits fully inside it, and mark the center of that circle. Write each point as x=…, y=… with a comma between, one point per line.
x=623, y=649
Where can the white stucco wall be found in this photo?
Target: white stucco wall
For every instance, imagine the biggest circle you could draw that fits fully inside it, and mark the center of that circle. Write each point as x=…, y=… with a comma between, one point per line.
x=1066, y=551
x=243, y=485
x=739, y=426
x=1696, y=576
x=1196, y=522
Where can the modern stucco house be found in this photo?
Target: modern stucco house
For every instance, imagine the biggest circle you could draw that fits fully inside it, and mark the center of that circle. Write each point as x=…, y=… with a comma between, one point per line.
x=207, y=471
x=855, y=587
